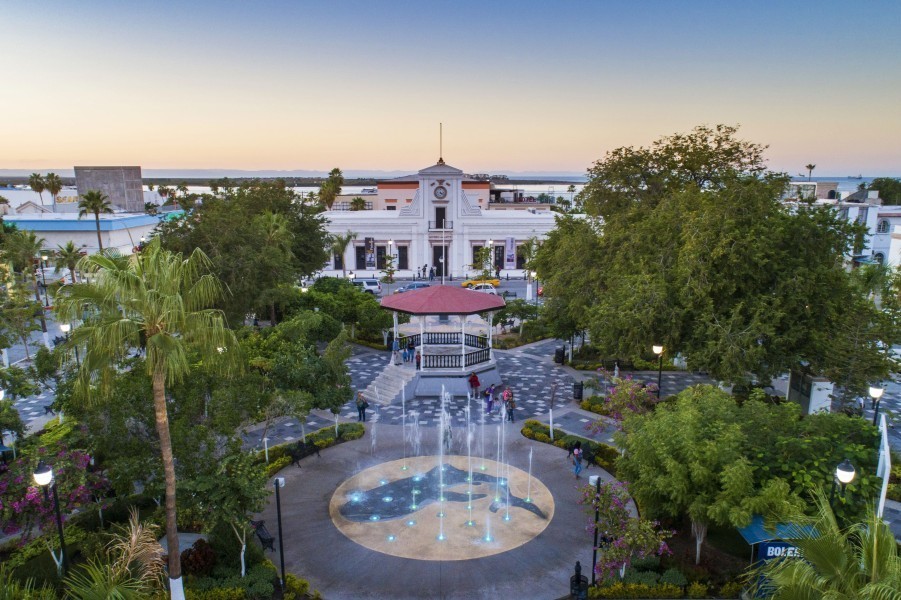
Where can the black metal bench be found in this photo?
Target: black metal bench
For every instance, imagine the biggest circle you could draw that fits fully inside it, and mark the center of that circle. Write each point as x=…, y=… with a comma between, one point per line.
x=48, y=410
x=508, y=294
x=266, y=539
x=302, y=450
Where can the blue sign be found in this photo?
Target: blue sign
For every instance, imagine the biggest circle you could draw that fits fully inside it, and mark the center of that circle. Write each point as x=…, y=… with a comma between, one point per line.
x=771, y=550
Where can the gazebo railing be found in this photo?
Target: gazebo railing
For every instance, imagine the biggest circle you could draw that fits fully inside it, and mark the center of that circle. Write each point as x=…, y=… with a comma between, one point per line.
x=453, y=361
x=445, y=338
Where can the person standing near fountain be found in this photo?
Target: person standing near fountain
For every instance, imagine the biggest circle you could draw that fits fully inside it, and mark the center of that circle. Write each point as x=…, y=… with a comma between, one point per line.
x=474, y=384
x=509, y=404
x=362, y=405
x=489, y=398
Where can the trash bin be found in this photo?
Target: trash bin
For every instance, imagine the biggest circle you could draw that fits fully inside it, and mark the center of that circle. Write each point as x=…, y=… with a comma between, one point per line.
x=577, y=390
x=559, y=355
x=578, y=584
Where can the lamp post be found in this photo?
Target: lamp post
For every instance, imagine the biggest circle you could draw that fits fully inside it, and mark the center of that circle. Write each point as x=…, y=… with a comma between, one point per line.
x=66, y=328
x=844, y=474
x=43, y=476
x=876, y=395
x=280, y=483
x=44, y=280
x=658, y=350
x=534, y=276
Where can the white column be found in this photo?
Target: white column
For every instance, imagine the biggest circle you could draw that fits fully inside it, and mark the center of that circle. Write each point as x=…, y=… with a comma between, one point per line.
x=463, y=341
x=422, y=341
x=394, y=315
x=490, y=335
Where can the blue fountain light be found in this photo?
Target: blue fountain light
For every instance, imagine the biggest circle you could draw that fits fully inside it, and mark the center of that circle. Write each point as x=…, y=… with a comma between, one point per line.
x=387, y=499
x=374, y=518
x=391, y=538
x=411, y=523
x=383, y=482
x=441, y=538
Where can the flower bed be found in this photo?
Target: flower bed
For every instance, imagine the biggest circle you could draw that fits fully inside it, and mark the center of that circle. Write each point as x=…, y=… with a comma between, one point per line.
x=595, y=453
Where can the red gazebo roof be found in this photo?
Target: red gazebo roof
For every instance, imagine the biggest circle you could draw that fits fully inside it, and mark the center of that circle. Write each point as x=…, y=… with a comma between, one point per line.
x=443, y=300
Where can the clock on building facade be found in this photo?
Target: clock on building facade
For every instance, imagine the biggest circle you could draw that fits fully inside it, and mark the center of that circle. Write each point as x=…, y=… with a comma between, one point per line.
x=440, y=192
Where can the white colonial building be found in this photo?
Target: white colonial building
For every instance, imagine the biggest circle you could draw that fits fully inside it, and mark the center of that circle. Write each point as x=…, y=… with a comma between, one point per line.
x=437, y=218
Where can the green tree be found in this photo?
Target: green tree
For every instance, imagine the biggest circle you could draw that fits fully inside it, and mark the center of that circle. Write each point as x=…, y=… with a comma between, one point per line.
x=19, y=319
x=95, y=202
x=36, y=183
x=357, y=203
x=227, y=226
x=232, y=493
x=10, y=420
x=331, y=188
x=481, y=262
x=53, y=184
x=160, y=301
x=688, y=458
x=389, y=269
x=67, y=257
x=859, y=562
x=889, y=189
x=21, y=248
x=338, y=244
x=688, y=244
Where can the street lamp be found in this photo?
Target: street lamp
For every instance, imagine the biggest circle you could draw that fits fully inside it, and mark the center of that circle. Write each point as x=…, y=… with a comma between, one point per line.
x=44, y=280
x=43, y=476
x=876, y=395
x=658, y=350
x=66, y=328
x=280, y=483
x=844, y=474
x=534, y=276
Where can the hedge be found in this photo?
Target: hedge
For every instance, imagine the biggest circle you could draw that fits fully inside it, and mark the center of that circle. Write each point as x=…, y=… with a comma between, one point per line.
x=596, y=453
x=321, y=438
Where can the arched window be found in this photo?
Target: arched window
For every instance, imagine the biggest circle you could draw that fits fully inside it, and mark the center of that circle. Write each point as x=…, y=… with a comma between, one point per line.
x=830, y=195
x=883, y=226
x=879, y=257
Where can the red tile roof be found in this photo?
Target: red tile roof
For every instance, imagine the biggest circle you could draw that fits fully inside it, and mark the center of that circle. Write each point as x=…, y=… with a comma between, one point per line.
x=443, y=300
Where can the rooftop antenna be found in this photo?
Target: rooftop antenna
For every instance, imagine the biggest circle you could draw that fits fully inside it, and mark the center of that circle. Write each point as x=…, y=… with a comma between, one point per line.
x=440, y=143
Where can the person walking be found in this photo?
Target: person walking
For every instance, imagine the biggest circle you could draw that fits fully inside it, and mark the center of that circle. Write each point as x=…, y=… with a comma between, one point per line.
x=411, y=349
x=474, y=384
x=395, y=351
x=362, y=405
x=577, y=459
x=431, y=273
x=509, y=404
x=489, y=398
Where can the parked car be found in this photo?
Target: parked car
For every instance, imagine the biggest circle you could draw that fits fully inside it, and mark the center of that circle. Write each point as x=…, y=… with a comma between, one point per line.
x=370, y=286
x=471, y=282
x=486, y=288
x=415, y=285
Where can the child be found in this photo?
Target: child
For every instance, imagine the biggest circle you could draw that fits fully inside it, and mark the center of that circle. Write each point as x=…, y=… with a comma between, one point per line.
x=509, y=404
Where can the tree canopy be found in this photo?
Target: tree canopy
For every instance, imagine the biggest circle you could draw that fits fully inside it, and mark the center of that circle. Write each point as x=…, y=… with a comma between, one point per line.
x=889, y=189
x=687, y=244
x=261, y=238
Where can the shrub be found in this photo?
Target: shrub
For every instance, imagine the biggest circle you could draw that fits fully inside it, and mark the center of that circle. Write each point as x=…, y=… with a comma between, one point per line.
x=696, y=590
x=199, y=559
x=275, y=466
x=648, y=578
x=635, y=590
x=543, y=438
x=674, y=576
x=647, y=563
x=216, y=594
x=731, y=589
x=295, y=587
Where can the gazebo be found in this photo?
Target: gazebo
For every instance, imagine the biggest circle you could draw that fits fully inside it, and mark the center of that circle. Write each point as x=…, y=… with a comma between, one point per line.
x=447, y=354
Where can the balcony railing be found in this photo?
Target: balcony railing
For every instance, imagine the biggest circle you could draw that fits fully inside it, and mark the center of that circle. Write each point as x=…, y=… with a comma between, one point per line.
x=439, y=225
x=445, y=338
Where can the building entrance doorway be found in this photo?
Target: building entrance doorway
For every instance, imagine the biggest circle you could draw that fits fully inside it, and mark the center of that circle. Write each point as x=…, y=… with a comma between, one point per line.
x=439, y=253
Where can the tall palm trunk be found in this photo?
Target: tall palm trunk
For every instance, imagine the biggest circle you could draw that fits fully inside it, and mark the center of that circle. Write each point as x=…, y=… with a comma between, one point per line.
x=97, y=220
x=162, y=428
x=37, y=297
x=72, y=273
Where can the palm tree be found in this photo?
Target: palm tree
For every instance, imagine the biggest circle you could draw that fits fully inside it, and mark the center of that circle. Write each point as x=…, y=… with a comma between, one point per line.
x=810, y=169
x=358, y=203
x=158, y=300
x=858, y=562
x=339, y=244
x=67, y=257
x=53, y=184
x=20, y=248
x=95, y=202
x=331, y=187
x=36, y=181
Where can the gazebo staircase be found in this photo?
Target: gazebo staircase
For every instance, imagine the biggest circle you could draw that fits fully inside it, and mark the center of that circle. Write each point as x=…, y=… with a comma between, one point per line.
x=389, y=383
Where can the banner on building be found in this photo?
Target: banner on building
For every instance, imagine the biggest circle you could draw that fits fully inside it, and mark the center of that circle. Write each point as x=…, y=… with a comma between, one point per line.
x=510, y=254
x=370, y=253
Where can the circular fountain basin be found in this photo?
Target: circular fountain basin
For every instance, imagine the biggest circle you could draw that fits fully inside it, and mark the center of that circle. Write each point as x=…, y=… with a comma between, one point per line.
x=359, y=508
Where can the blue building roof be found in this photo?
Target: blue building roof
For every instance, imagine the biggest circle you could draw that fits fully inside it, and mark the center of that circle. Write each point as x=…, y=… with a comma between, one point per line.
x=71, y=222
x=756, y=532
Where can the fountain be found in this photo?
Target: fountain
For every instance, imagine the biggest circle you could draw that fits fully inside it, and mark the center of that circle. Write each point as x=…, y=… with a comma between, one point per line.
x=529, y=492
x=470, y=522
x=403, y=427
x=444, y=427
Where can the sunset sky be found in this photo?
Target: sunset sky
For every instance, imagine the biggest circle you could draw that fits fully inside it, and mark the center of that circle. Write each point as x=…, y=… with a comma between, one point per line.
x=520, y=86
